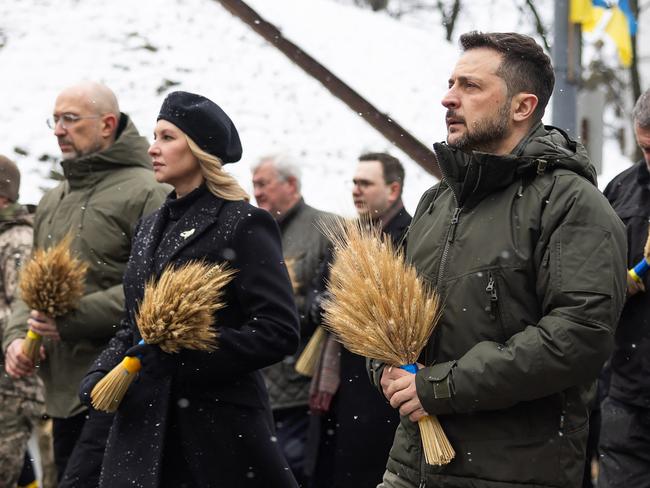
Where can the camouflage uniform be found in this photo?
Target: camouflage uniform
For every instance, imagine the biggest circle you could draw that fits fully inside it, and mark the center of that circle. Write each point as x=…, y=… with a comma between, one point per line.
x=21, y=401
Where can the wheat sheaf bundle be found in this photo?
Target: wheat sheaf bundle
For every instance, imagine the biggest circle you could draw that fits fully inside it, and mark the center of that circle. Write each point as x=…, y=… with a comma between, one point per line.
x=52, y=282
x=379, y=308
x=177, y=312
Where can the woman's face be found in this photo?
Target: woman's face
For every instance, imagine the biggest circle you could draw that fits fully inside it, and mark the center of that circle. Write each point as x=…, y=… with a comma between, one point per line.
x=172, y=160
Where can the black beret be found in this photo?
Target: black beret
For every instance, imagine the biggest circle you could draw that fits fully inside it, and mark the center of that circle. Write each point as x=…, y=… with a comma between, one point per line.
x=204, y=122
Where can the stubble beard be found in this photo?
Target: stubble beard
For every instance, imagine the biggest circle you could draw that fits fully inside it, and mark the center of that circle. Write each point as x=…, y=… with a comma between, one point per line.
x=485, y=134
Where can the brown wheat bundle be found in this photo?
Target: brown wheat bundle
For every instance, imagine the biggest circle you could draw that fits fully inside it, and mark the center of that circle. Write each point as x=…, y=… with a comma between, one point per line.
x=176, y=312
x=379, y=308
x=52, y=282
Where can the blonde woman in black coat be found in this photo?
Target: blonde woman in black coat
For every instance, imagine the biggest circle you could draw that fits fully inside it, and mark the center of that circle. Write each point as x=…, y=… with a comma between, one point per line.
x=201, y=419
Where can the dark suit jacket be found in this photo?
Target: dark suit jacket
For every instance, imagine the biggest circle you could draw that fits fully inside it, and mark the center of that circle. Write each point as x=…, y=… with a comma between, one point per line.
x=205, y=414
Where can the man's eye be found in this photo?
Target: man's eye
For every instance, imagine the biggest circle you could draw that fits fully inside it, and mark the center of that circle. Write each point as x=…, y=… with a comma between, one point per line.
x=69, y=118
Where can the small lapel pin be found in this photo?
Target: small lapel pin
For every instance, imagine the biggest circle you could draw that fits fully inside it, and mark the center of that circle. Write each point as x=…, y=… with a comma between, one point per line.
x=187, y=233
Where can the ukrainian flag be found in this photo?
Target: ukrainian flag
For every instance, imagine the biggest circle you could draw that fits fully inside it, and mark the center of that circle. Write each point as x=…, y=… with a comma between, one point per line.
x=621, y=24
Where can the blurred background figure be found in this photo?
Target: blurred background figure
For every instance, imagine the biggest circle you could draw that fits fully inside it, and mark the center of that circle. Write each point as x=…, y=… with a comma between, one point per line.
x=276, y=185
x=624, y=445
x=22, y=403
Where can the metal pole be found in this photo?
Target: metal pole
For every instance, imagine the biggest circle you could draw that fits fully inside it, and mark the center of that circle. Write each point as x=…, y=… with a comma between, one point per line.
x=567, y=66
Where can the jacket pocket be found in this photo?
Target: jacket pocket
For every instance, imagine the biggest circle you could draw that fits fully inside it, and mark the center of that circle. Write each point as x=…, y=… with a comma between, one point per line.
x=473, y=315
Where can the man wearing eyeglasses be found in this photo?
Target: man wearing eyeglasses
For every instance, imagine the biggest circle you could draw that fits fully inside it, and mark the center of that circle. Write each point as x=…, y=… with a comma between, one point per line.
x=108, y=186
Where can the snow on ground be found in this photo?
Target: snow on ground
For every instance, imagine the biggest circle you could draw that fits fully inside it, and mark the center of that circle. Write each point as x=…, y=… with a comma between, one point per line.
x=140, y=47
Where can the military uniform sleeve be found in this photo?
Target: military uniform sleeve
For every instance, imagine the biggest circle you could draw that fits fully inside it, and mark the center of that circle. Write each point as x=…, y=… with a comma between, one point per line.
x=580, y=283
x=13, y=253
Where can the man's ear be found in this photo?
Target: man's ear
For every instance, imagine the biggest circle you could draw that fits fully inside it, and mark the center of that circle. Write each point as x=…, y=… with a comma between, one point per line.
x=393, y=193
x=523, y=106
x=293, y=181
x=109, y=125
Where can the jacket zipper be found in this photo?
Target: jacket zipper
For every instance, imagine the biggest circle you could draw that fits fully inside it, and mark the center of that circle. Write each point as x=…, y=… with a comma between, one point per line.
x=491, y=289
x=451, y=234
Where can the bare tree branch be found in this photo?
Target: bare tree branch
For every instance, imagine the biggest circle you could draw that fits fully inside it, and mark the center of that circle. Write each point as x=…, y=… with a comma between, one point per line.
x=539, y=26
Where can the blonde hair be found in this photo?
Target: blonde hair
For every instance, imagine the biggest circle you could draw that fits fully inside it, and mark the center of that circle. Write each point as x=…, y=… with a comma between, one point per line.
x=218, y=181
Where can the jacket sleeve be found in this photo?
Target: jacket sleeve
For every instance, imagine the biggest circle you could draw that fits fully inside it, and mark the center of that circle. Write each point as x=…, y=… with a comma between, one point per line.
x=98, y=314
x=263, y=292
x=580, y=263
x=13, y=254
x=96, y=317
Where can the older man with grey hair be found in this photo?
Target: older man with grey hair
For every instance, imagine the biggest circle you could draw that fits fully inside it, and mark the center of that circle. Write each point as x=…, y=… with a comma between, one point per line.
x=276, y=185
x=625, y=428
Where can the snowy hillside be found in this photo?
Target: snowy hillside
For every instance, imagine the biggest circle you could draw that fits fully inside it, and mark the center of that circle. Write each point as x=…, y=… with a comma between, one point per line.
x=144, y=48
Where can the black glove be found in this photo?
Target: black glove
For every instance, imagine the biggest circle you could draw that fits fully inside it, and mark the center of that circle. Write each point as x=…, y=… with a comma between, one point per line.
x=154, y=361
x=87, y=384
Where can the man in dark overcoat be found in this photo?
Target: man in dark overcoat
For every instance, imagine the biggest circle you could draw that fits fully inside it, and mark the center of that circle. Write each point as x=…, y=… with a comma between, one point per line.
x=624, y=445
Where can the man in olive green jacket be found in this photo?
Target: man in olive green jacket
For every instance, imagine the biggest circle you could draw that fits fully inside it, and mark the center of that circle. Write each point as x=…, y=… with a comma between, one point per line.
x=108, y=186
x=530, y=261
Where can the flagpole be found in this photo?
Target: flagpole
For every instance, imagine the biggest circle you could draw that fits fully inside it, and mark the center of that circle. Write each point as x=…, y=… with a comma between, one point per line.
x=566, y=54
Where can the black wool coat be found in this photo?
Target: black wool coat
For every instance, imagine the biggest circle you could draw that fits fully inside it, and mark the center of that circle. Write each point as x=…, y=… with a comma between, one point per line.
x=202, y=419
x=629, y=195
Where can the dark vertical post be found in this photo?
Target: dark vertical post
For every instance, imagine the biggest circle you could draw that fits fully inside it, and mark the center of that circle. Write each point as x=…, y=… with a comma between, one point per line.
x=567, y=65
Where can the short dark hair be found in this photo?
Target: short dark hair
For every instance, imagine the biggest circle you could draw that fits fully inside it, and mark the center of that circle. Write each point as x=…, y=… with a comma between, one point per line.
x=393, y=169
x=525, y=66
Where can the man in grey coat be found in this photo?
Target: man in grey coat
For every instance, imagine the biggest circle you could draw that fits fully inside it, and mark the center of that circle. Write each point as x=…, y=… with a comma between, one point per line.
x=276, y=184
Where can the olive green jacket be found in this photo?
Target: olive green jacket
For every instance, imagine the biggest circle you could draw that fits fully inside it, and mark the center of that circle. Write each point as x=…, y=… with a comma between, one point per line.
x=102, y=197
x=530, y=260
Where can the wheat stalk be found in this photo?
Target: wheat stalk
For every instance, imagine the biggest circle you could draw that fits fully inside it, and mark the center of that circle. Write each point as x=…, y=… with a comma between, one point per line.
x=52, y=282
x=308, y=359
x=379, y=308
x=176, y=312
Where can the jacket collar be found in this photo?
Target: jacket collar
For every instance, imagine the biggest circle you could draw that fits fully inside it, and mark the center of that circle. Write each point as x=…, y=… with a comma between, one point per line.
x=290, y=214
x=473, y=176
x=192, y=224
x=129, y=149
x=15, y=214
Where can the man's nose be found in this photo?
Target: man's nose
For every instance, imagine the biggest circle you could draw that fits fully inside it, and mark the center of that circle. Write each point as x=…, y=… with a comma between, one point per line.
x=450, y=100
x=59, y=130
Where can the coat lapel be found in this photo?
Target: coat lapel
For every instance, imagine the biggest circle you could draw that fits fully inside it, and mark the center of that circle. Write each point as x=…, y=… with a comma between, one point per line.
x=192, y=224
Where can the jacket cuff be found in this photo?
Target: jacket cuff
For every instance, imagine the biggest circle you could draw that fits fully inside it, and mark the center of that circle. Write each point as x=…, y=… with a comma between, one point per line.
x=435, y=388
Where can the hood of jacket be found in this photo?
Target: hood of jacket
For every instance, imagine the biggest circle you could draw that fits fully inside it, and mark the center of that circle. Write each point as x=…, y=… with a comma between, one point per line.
x=473, y=176
x=128, y=150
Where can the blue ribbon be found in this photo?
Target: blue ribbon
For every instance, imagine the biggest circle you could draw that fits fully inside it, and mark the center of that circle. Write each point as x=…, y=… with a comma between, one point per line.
x=411, y=368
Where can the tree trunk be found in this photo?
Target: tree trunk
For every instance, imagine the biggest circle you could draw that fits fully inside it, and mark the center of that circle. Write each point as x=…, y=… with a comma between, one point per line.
x=386, y=125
